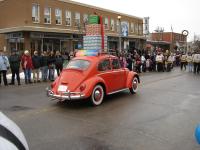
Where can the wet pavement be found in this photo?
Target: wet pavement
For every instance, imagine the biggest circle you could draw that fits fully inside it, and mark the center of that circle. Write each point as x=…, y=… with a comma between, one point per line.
x=161, y=116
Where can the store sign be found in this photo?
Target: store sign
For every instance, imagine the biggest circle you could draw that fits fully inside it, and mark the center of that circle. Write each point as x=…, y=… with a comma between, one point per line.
x=124, y=29
x=146, y=26
x=14, y=35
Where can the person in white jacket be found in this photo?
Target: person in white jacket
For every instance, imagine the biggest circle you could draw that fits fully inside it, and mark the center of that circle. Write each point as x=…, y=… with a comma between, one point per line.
x=4, y=66
x=159, y=62
x=196, y=62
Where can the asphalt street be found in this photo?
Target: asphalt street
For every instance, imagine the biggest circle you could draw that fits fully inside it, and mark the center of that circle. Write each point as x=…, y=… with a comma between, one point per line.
x=161, y=116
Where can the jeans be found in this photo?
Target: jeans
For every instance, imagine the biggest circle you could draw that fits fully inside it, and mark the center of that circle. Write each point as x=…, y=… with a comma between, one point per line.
x=183, y=64
x=59, y=69
x=27, y=73
x=36, y=74
x=15, y=72
x=44, y=72
x=190, y=66
x=196, y=67
x=51, y=73
x=4, y=77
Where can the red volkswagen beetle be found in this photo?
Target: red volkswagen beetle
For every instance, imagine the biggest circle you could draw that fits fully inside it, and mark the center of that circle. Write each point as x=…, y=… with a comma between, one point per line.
x=93, y=77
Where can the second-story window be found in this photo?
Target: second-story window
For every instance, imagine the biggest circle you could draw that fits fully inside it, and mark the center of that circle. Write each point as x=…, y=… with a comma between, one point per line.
x=106, y=23
x=136, y=28
x=77, y=19
x=140, y=29
x=112, y=25
x=58, y=15
x=132, y=27
x=47, y=15
x=35, y=13
x=85, y=19
x=117, y=26
x=68, y=16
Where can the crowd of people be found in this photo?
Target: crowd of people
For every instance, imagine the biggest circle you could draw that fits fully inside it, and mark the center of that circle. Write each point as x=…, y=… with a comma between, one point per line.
x=46, y=63
x=160, y=61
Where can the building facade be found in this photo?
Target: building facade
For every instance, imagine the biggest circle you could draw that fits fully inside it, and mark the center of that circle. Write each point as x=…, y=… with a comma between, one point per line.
x=168, y=40
x=60, y=25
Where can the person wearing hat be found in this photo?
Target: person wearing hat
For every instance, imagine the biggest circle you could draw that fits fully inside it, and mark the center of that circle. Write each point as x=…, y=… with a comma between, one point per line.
x=27, y=65
x=14, y=66
x=4, y=66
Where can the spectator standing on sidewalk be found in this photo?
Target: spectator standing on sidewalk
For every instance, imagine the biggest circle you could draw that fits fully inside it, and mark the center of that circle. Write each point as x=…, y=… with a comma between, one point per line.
x=130, y=62
x=159, y=62
x=183, y=61
x=196, y=62
x=15, y=66
x=27, y=66
x=59, y=62
x=189, y=61
x=36, y=67
x=44, y=66
x=170, y=61
x=4, y=66
x=51, y=66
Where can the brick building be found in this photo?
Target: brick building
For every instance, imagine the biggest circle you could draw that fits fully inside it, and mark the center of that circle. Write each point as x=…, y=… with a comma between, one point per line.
x=168, y=40
x=60, y=25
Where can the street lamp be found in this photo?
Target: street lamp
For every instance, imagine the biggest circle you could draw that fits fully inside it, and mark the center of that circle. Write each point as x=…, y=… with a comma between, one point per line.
x=120, y=36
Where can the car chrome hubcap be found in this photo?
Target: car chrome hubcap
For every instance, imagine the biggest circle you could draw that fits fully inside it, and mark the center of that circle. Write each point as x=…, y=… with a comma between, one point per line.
x=97, y=95
x=135, y=84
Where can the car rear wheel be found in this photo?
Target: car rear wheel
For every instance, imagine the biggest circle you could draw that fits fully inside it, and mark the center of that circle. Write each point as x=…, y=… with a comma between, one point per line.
x=97, y=95
x=134, y=86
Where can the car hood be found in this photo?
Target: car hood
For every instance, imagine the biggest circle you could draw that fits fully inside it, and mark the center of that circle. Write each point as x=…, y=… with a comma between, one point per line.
x=72, y=79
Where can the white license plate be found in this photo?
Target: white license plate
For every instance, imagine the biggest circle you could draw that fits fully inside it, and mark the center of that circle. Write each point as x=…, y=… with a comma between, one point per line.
x=62, y=88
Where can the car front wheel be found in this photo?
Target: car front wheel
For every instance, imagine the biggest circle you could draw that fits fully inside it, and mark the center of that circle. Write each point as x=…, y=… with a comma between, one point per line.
x=134, y=86
x=97, y=95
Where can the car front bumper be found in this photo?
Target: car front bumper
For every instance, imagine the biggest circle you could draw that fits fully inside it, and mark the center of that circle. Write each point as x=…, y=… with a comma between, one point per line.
x=63, y=96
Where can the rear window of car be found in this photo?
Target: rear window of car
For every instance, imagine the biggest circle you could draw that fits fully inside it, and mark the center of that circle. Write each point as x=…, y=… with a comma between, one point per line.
x=78, y=64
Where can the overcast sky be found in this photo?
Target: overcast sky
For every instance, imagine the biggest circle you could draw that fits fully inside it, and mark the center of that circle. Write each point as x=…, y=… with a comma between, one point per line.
x=180, y=14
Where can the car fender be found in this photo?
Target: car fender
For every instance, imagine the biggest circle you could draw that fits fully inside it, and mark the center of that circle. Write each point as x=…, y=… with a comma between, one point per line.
x=91, y=83
x=130, y=77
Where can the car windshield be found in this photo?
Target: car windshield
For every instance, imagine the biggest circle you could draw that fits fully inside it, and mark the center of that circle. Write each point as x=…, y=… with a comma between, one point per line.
x=78, y=64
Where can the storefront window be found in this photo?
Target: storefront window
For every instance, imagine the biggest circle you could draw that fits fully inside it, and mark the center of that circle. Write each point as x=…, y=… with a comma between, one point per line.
x=106, y=23
x=112, y=25
x=47, y=15
x=68, y=16
x=36, y=13
x=77, y=19
x=58, y=14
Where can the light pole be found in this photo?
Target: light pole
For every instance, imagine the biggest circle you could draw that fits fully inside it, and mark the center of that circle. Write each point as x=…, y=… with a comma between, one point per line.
x=120, y=34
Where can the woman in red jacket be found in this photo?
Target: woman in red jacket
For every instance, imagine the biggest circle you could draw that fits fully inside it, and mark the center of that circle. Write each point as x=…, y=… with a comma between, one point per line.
x=27, y=66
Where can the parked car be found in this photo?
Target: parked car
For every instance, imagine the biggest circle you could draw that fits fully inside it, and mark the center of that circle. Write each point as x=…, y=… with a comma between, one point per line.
x=93, y=77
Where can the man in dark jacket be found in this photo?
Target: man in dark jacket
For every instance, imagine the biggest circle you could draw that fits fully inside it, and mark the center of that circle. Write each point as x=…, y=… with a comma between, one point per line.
x=36, y=67
x=14, y=66
x=59, y=62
